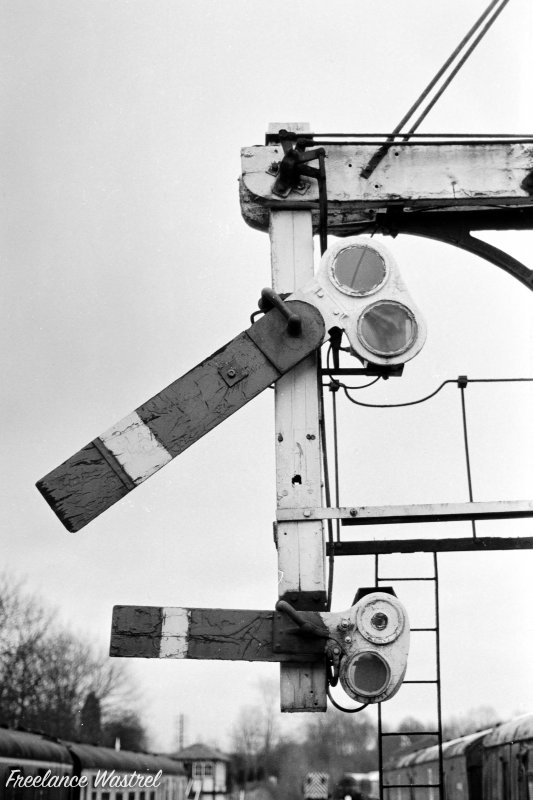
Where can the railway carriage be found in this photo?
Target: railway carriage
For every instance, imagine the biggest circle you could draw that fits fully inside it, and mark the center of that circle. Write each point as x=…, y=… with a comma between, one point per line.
x=495, y=764
x=31, y=766
x=110, y=775
x=24, y=757
x=508, y=761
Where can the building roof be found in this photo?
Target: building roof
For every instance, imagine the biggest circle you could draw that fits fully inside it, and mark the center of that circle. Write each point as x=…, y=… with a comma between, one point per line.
x=92, y=757
x=199, y=752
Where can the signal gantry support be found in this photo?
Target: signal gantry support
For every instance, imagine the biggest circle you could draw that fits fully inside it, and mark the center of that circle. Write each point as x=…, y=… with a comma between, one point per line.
x=443, y=190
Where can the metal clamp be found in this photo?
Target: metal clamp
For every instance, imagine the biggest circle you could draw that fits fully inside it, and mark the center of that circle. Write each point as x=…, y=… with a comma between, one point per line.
x=293, y=166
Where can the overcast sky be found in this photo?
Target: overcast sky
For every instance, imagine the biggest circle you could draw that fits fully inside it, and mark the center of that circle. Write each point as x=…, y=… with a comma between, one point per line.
x=126, y=262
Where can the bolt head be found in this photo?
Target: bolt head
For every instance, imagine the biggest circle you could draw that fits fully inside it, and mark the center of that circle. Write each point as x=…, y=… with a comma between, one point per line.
x=231, y=373
x=348, y=639
x=353, y=512
x=307, y=512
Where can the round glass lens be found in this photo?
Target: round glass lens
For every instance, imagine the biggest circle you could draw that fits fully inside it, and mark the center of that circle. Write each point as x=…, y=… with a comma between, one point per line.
x=387, y=328
x=370, y=674
x=379, y=621
x=359, y=270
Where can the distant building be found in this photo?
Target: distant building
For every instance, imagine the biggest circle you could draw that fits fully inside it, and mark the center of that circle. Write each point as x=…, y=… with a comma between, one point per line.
x=207, y=770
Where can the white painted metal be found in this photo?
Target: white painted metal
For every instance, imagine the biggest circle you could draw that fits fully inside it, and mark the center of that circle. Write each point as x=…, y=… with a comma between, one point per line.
x=298, y=465
x=357, y=635
x=135, y=447
x=343, y=311
x=442, y=511
x=460, y=174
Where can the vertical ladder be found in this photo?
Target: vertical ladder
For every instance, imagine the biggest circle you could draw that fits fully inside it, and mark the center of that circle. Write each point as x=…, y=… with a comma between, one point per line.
x=383, y=788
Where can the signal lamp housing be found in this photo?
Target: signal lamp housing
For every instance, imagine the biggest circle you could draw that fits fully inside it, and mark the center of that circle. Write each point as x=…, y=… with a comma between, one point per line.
x=359, y=289
x=373, y=668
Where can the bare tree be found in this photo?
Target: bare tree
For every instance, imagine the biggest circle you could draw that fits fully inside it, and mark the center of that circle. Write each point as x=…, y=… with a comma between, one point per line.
x=476, y=719
x=47, y=673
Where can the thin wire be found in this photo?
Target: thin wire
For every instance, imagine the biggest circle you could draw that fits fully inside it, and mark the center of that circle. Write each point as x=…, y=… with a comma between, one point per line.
x=444, y=67
x=335, y=442
x=467, y=455
x=432, y=394
x=384, y=147
x=398, y=405
x=336, y=462
x=327, y=492
x=335, y=435
x=354, y=388
x=343, y=385
x=424, y=135
x=346, y=710
x=456, y=69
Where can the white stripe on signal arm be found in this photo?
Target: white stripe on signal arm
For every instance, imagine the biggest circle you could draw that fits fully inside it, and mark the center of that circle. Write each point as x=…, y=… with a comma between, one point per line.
x=135, y=447
x=175, y=633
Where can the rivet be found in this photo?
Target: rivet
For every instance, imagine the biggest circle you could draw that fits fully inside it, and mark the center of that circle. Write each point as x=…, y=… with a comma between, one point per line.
x=336, y=651
x=307, y=512
x=348, y=639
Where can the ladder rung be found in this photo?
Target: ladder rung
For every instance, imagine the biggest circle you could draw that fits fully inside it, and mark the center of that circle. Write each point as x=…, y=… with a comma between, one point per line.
x=407, y=579
x=411, y=786
x=434, y=680
x=417, y=630
x=409, y=733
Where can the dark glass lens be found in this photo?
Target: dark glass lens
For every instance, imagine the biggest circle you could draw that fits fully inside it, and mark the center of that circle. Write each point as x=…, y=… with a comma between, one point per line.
x=387, y=328
x=379, y=621
x=359, y=269
x=370, y=673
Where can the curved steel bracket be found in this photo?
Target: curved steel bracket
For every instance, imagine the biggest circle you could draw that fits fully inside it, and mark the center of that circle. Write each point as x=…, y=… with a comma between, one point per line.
x=456, y=230
x=478, y=247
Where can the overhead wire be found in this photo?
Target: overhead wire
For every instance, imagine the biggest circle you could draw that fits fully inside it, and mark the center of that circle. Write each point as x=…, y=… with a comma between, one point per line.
x=327, y=482
x=327, y=492
x=380, y=153
x=462, y=387
x=455, y=70
x=432, y=394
